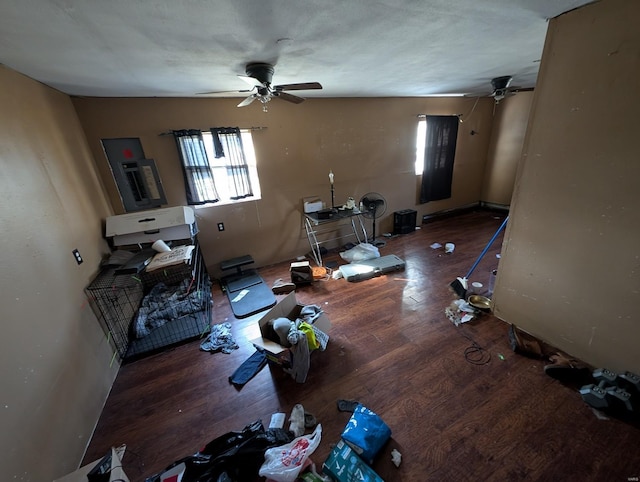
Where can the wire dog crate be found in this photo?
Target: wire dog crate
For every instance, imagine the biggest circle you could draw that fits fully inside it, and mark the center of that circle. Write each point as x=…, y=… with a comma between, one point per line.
x=116, y=300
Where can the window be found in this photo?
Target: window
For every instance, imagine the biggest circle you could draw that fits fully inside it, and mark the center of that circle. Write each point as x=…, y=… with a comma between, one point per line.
x=420, y=145
x=230, y=177
x=223, y=170
x=439, y=156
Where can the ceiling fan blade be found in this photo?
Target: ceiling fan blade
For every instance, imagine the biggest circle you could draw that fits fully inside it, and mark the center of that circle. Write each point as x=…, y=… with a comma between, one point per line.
x=251, y=81
x=248, y=100
x=301, y=86
x=224, y=92
x=288, y=97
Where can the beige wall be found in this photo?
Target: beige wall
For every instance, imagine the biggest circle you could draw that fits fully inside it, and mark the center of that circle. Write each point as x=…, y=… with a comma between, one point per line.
x=54, y=358
x=570, y=271
x=368, y=143
x=505, y=149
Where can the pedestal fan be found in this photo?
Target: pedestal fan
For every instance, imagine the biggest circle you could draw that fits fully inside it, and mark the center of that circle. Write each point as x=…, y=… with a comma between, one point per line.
x=373, y=206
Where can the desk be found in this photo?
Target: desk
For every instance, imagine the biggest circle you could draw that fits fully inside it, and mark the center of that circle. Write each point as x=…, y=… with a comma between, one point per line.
x=315, y=226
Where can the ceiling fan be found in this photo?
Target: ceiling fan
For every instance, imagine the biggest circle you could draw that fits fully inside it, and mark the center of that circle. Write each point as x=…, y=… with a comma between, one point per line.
x=501, y=87
x=259, y=76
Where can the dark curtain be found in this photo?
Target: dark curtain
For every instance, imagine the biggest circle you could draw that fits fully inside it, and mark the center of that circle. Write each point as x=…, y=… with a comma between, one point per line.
x=198, y=176
x=440, y=151
x=227, y=143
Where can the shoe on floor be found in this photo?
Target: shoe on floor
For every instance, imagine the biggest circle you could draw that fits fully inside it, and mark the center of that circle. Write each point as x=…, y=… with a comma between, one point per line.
x=309, y=420
x=524, y=344
x=296, y=420
x=347, y=405
x=282, y=287
x=568, y=371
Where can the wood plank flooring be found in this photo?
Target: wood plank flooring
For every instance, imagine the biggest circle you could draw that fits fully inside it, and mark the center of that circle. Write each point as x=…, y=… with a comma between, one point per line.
x=393, y=349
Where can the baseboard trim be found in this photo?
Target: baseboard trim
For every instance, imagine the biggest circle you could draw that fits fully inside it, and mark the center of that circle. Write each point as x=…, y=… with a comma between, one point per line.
x=427, y=218
x=446, y=213
x=495, y=207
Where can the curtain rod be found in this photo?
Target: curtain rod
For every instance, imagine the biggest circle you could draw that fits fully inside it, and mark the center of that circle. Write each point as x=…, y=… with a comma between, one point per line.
x=252, y=128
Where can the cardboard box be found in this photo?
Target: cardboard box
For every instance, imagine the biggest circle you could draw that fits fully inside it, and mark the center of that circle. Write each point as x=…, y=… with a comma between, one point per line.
x=268, y=341
x=167, y=224
x=113, y=469
x=344, y=465
x=301, y=272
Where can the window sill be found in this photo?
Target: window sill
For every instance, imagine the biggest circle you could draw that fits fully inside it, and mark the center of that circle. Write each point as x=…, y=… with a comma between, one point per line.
x=225, y=203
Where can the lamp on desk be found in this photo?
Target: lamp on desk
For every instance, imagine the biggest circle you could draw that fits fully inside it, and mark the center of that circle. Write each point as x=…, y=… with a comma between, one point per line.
x=332, y=195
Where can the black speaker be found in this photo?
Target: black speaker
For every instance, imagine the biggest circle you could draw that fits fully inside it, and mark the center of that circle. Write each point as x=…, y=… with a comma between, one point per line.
x=404, y=221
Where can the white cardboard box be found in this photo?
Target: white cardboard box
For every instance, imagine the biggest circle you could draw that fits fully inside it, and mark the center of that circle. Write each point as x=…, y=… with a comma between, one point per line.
x=116, y=473
x=312, y=204
x=167, y=224
x=287, y=308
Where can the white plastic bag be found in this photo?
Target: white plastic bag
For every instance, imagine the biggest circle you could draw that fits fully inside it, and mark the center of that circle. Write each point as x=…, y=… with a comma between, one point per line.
x=360, y=252
x=284, y=463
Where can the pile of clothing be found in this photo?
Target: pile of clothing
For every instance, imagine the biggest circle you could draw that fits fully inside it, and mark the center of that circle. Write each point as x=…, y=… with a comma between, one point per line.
x=166, y=303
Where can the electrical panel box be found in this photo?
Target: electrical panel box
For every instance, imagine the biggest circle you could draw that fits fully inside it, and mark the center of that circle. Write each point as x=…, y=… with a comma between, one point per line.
x=136, y=177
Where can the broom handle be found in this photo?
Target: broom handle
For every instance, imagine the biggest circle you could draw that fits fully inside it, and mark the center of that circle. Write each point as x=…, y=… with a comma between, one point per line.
x=484, y=251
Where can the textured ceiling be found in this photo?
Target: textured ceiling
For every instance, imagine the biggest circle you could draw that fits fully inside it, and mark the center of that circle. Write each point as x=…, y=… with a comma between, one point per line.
x=354, y=48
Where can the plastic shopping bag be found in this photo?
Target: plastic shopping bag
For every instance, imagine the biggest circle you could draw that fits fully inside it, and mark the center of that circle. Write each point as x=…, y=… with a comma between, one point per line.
x=360, y=252
x=284, y=463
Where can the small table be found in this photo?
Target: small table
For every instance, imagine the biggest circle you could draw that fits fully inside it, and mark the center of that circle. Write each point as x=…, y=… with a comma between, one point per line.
x=314, y=225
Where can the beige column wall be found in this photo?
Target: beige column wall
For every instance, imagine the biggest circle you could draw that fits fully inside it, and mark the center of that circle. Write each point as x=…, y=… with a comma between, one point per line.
x=570, y=271
x=505, y=149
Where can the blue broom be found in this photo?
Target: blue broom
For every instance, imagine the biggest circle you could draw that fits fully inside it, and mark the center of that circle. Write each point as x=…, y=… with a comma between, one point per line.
x=459, y=285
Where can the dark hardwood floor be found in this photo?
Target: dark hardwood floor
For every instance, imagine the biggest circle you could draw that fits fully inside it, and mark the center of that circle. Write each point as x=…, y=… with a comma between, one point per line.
x=393, y=349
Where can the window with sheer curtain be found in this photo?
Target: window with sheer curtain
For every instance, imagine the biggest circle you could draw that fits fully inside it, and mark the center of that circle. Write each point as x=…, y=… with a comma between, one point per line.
x=219, y=166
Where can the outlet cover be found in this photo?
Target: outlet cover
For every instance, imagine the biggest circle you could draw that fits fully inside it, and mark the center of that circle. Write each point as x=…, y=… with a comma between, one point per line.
x=76, y=254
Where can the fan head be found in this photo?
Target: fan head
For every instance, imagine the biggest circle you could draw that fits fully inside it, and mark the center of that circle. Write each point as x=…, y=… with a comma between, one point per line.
x=500, y=87
x=373, y=205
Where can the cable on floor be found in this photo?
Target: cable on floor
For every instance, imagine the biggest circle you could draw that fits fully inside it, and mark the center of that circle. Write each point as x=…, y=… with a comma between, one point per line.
x=475, y=354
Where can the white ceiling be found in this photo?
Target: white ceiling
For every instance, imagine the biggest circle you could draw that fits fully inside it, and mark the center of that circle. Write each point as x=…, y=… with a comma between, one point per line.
x=354, y=48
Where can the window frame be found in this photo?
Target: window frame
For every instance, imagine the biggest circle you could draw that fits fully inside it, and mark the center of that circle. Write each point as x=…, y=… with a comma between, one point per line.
x=220, y=169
